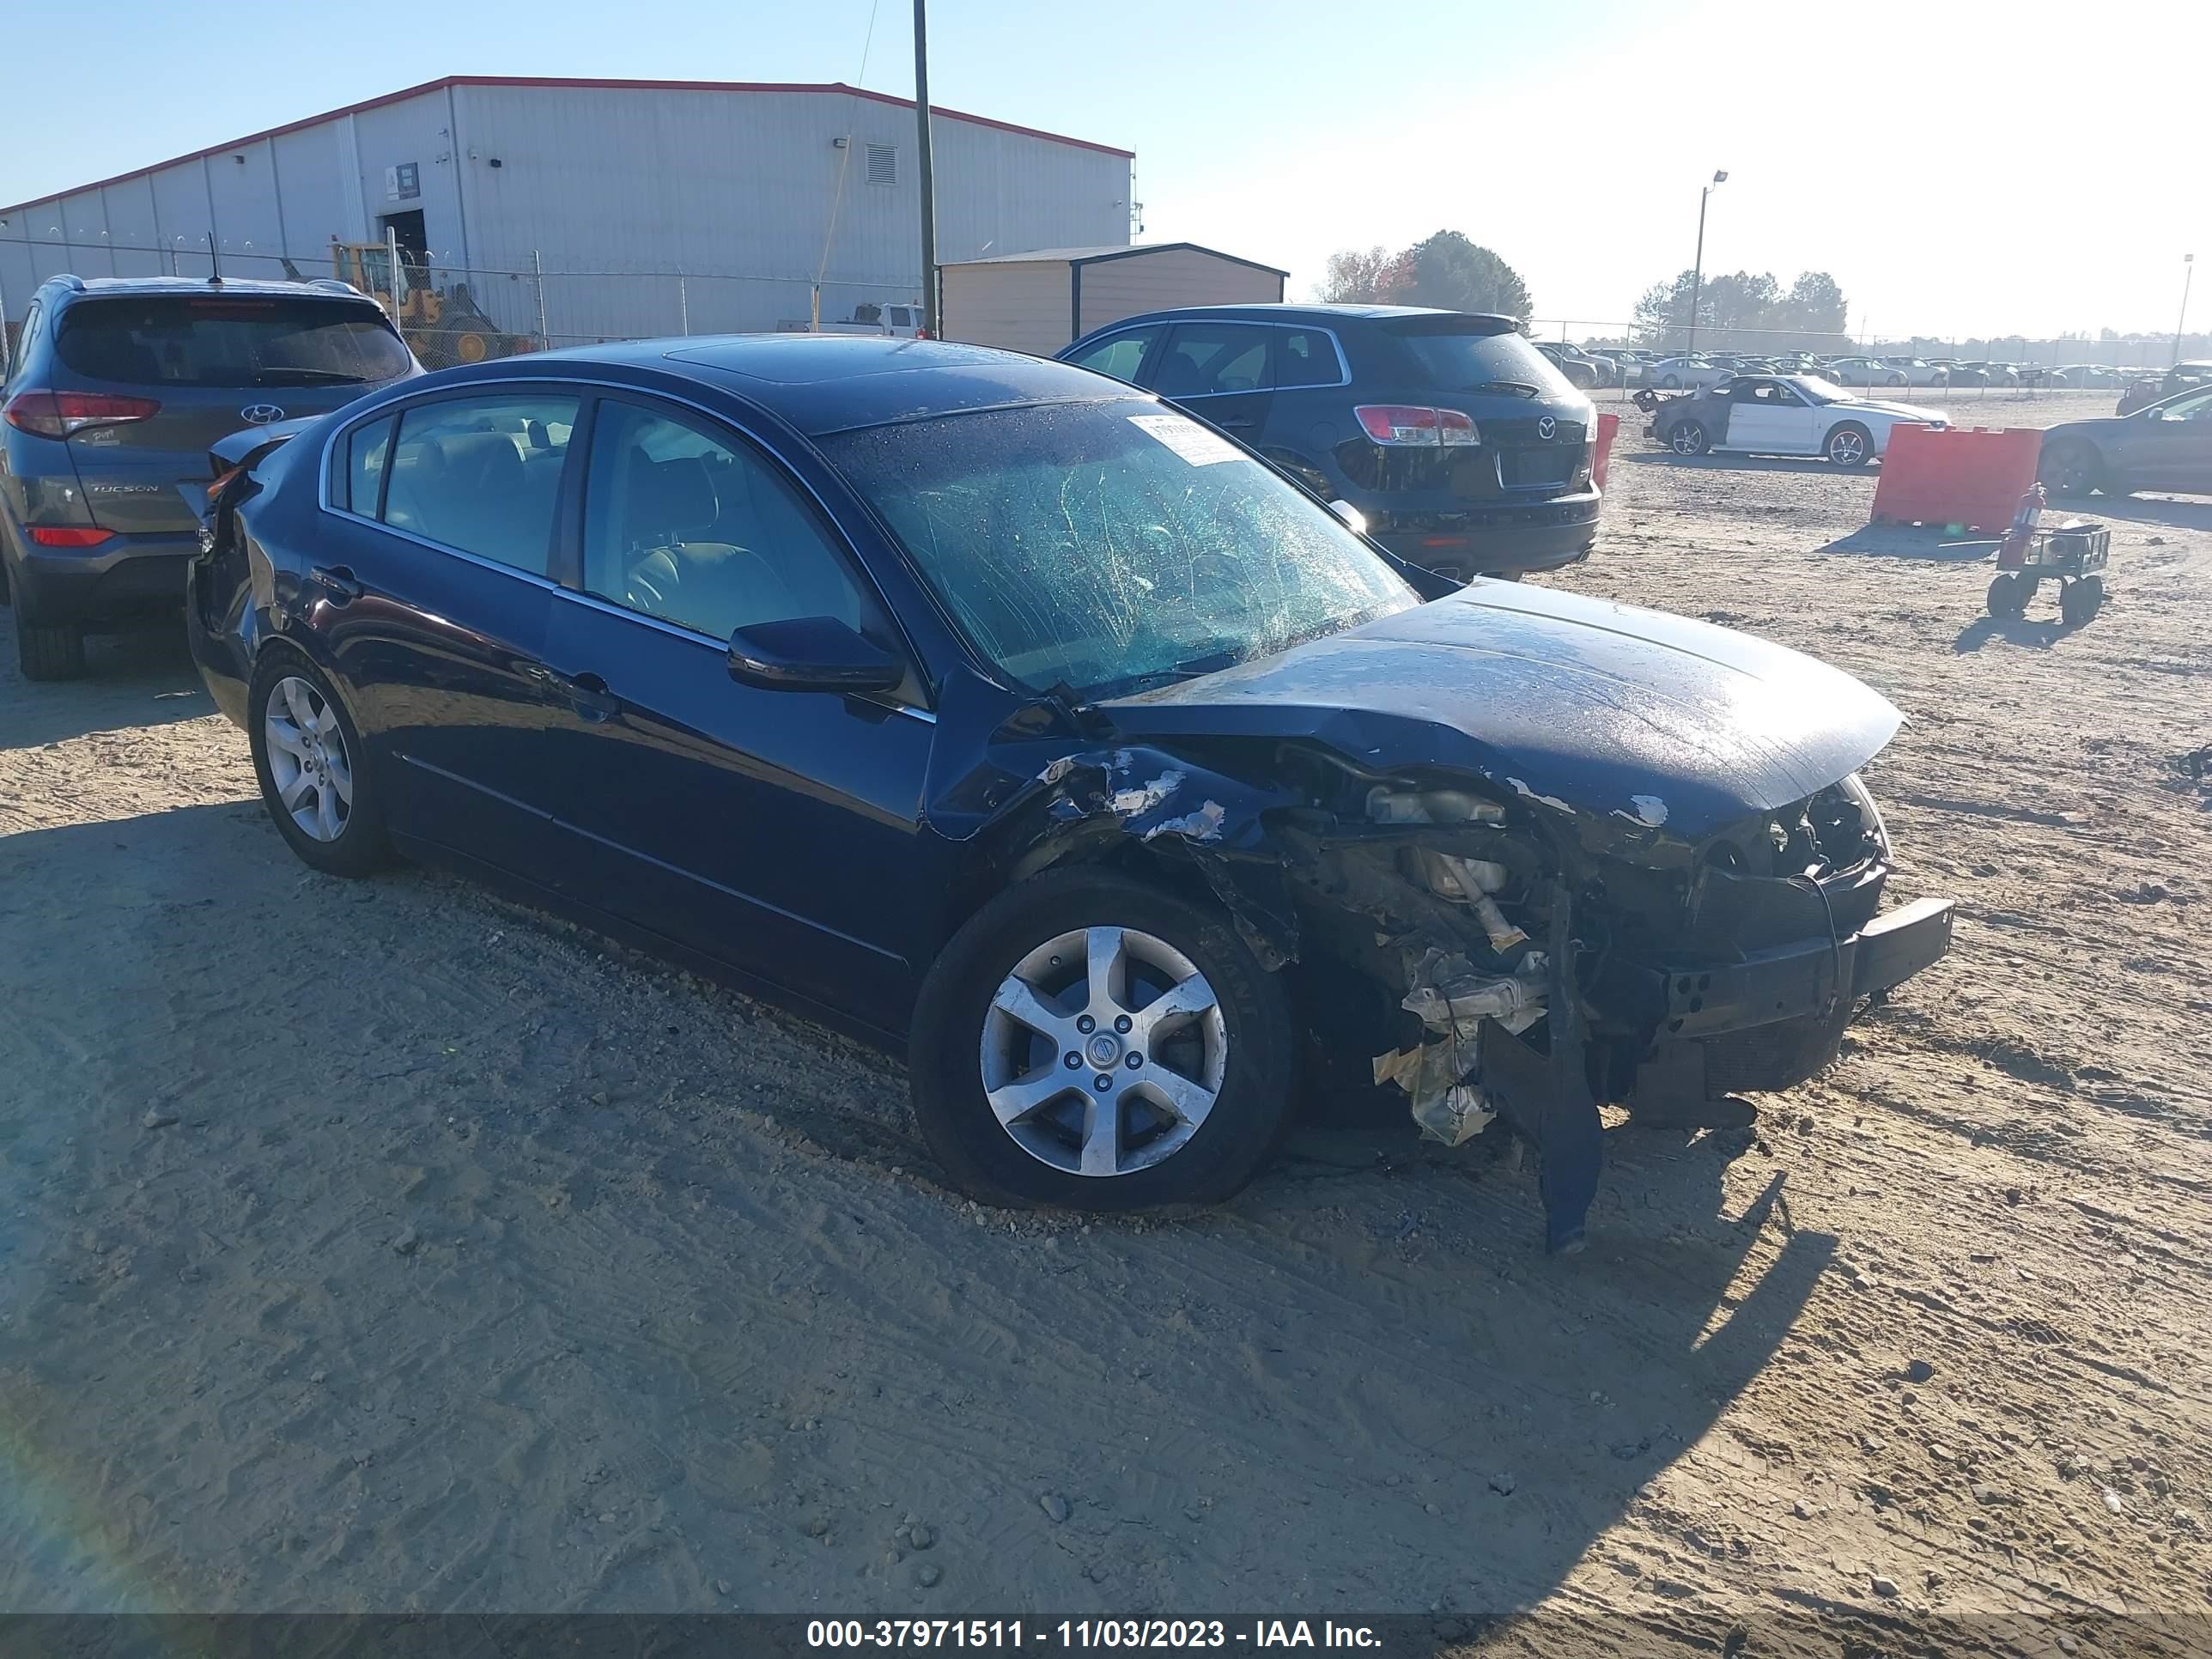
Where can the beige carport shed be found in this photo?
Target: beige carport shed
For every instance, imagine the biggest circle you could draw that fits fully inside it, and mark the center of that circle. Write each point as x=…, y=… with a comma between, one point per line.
x=1040, y=300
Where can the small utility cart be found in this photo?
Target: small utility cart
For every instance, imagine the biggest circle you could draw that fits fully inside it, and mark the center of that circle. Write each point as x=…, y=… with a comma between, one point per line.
x=2073, y=554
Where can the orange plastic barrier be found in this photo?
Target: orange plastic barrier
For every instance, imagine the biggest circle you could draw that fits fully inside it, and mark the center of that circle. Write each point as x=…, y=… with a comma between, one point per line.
x=1607, y=427
x=1970, y=477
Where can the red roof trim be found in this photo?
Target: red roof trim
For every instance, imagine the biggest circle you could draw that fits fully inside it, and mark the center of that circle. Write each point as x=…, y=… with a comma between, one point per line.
x=832, y=86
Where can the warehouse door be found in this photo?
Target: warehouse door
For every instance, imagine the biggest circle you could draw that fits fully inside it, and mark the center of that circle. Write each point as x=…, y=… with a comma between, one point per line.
x=414, y=240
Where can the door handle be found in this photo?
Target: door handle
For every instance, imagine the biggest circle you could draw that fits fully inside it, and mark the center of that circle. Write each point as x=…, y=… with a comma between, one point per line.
x=588, y=696
x=1237, y=423
x=337, y=580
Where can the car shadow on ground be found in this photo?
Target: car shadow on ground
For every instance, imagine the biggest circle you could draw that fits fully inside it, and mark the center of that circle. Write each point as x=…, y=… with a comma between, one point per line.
x=2176, y=513
x=529, y=1220
x=143, y=677
x=1747, y=462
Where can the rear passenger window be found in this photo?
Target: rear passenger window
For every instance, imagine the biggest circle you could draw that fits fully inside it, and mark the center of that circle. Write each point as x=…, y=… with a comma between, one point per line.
x=686, y=523
x=1304, y=357
x=483, y=475
x=366, y=449
x=1203, y=359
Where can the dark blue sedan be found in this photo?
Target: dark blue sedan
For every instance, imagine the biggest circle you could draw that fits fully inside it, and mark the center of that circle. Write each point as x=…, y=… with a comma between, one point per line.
x=986, y=706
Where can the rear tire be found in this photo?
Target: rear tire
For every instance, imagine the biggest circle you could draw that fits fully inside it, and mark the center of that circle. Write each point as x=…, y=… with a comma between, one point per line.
x=1041, y=939
x=2072, y=468
x=1672, y=382
x=48, y=651
x=2080, y=600
x=1688, y=437
x=2008, y=596
x=289, y=701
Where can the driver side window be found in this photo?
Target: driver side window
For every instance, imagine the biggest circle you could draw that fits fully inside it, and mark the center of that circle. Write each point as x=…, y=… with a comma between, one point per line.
x=687, y=524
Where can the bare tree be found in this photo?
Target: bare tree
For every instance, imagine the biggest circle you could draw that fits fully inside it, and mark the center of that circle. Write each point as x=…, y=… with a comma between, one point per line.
x=1374, y=277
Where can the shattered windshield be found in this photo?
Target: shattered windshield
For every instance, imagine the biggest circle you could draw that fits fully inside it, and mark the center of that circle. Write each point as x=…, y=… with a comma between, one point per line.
x=1111, y=546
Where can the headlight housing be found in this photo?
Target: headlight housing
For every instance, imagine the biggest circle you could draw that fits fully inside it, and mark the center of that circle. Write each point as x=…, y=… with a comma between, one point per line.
x=1856, y=789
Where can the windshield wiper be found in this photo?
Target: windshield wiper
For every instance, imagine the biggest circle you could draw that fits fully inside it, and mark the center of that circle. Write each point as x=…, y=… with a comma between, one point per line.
x=1519, y=388
x=306, y=377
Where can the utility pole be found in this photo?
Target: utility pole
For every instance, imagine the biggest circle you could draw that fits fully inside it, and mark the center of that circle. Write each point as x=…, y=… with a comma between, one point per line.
x=1698, y=270
x=929, y=319
x=2188, y=269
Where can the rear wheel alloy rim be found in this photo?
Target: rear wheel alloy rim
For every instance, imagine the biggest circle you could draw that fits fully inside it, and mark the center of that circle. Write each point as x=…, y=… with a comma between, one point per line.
x=308, y=759
x=1846, y=448
x=1103, y=1052
x=1688, y=442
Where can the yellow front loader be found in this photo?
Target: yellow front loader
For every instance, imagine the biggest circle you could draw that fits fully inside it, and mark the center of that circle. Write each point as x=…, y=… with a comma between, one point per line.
x=445, y=326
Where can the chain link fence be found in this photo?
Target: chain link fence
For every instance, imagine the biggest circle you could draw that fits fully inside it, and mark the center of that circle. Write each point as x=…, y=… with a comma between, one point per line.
x=452, y=313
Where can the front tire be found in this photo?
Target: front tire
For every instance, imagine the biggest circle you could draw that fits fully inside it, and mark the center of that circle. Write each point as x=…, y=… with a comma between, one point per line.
x=1154, y=997
x=312, y=768
x=2008, y=596
x=1850, y=444
x=48, y=651
x=1672, y=382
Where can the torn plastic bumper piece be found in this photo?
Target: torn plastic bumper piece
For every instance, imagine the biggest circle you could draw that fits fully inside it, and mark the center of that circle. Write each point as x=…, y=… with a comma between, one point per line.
x=1547, y=1097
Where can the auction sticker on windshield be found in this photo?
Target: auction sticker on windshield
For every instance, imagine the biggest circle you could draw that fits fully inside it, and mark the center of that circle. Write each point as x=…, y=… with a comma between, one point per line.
x=1188, y=439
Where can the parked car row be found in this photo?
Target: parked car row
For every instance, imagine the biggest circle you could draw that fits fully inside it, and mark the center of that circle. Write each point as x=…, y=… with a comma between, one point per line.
x=1151, y=786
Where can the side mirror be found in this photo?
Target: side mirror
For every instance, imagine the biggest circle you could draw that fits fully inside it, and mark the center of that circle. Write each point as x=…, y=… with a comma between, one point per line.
x=811, y=653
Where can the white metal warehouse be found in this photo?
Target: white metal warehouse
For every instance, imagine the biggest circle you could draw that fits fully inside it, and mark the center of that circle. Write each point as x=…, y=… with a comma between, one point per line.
x=1039, y=301
x=652, y=207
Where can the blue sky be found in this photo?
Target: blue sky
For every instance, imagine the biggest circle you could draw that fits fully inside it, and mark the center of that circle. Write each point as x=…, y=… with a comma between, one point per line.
x=1950, y=163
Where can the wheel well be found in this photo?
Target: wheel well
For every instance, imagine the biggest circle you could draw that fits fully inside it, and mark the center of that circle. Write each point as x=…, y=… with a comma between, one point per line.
x=1302, y=469
x=1034, y=843
x=276, y=649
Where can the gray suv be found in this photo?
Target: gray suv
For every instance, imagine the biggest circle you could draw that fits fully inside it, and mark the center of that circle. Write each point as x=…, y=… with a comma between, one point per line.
x=115, y=391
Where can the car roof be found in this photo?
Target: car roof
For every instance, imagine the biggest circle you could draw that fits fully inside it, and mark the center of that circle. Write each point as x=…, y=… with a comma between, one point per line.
x=257, y=288
x=1293, y=312
x=826, y=383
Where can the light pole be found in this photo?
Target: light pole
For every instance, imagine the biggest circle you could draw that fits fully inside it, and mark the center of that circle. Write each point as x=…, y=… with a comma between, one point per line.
x=2188, y=269
x=929, y=318
x=1698, y=270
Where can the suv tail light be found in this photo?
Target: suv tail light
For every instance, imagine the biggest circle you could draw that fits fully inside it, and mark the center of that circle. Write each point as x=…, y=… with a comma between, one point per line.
x=66, y=535
x=59, y=414
x=1417, y=425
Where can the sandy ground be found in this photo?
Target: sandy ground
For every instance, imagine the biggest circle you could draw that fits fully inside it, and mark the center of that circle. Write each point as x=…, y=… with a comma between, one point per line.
x=380, y=1246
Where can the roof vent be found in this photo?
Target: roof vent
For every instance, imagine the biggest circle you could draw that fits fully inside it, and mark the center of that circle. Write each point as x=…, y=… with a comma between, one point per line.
x=883, y=164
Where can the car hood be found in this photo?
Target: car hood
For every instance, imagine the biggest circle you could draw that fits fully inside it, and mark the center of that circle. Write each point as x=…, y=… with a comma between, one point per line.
x=1576, y=704
x=1902, y=412
x=2097, y=427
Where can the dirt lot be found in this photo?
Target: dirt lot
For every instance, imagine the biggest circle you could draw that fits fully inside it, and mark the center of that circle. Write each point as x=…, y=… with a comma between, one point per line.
x=380, y=1246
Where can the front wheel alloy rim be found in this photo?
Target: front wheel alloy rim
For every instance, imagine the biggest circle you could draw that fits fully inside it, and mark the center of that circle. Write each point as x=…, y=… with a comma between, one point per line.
x=308, y=759
x=1845, y=447
x=1103, y=1052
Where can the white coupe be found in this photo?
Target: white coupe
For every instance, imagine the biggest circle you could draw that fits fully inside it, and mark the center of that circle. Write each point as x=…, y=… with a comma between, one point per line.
x=1785, y=415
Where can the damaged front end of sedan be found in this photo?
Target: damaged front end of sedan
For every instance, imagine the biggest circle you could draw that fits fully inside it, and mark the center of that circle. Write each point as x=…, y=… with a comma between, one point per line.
x=1583, y=896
